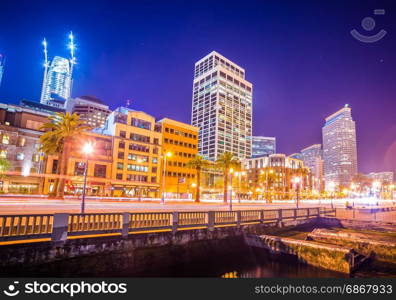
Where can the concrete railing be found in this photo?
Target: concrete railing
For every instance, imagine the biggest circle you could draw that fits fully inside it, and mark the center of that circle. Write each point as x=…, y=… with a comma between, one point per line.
x=59, y=227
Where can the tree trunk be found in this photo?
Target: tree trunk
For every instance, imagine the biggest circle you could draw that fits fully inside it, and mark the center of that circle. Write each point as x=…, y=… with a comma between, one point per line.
x=225, y=196
x=197, y=192
x=60, y=192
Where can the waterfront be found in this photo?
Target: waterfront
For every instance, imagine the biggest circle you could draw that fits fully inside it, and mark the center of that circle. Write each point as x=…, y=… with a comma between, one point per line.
x=229, y=259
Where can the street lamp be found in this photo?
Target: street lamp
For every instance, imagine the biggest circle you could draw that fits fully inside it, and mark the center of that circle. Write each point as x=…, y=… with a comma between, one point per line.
x=87, y=150
x=296, y=181
x=167, y=154
x=332, y=188
x=139, y=189
x=230, y=187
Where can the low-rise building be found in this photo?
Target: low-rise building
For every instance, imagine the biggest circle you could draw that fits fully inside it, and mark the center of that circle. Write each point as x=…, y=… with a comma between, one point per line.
x=273, y=176
x=383, y=177
x=181, y=141
x=90, y=109
x=20, y=130
x=136, y=145
x=99, y=169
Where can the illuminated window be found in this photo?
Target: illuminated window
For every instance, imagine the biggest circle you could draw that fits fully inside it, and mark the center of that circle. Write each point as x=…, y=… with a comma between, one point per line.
x=6, y=139
x=3, y=154
x=21, y=141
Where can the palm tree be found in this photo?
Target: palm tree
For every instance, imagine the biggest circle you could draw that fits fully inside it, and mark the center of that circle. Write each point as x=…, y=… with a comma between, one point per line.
x=4, y=166
x=226, y=161
x=61, y=130
x=198, y=163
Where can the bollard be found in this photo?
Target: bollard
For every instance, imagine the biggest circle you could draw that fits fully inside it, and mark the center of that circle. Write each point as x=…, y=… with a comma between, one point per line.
x=59, y=227
x=125, y=224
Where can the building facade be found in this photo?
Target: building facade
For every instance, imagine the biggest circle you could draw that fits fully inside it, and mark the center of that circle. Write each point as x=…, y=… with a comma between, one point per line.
x=339, y=148
x=99, y=170
x=313, y=159
x=273, y=176
x=263, y=146
x=181, y=141
x=90, y=109
x=383, y=177
x=222, y=107
x=20, y=130
x=57, y=82
x=137, y=149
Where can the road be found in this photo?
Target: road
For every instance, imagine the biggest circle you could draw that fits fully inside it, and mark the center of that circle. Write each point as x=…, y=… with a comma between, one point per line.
x=38, y=206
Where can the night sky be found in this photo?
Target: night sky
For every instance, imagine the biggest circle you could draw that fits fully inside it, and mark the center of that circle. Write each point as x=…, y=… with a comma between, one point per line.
x=299, y=55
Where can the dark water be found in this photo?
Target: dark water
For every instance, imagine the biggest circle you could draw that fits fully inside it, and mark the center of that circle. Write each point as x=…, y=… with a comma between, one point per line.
x=230, y=259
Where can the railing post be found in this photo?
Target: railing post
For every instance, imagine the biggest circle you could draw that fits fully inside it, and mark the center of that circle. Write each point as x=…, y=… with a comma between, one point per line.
x=59, y=227
x=239, y=217
x=261, y=216
x=125, y=224
x=175, y=221
x=211, y=220
x=280, y=218
x=308, y=213
x=295, y=213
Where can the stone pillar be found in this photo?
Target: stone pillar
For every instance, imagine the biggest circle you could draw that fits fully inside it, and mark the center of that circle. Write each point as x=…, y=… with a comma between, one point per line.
x=175, y=221
x=211, y=220
x=239, y=217
x=125, y=224
x=261, y=216
x=59, y=227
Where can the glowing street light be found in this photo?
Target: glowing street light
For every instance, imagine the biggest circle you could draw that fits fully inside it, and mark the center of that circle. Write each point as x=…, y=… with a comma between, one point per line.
x=167, y=155
x=87, y=149
x=296, y=181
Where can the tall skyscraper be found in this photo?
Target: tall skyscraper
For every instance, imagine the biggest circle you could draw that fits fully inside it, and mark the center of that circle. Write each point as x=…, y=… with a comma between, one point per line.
x=222, y=107
x=57, y=80
x=57, y=83
x=339, y=148
x=2, y=62
x=313, y=159
x=263, y=146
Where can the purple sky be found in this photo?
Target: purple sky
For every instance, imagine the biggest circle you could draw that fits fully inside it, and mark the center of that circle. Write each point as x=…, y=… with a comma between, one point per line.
x=299, y=55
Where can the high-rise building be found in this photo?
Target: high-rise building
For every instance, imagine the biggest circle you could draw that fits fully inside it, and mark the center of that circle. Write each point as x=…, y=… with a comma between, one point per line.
x=339, y=148
x=2, y=63
x=90, y=109
x=313, y=159
x=222, y=107
x=263, y=146
x=57, y=81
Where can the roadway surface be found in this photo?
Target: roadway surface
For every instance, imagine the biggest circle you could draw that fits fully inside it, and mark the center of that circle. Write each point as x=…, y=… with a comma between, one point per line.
x=39, y=205
x=44, y=206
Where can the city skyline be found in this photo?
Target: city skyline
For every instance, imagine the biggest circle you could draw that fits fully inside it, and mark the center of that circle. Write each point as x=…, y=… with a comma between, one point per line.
x=272, y=99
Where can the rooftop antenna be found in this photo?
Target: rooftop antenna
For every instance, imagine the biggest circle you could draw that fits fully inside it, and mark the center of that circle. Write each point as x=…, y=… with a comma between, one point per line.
x=128, y=102
x=46, y=65
x=72, y=59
